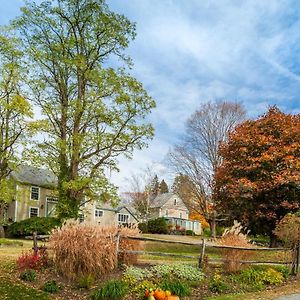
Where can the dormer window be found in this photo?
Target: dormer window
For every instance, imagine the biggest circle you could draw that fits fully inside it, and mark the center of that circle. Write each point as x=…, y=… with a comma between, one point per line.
x=35, y=193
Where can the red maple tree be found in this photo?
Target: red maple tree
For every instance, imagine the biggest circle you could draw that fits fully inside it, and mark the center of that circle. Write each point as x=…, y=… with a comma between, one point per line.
x=258, y=181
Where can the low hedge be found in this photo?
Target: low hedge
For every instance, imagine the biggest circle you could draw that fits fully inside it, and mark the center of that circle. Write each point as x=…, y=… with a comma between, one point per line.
x=42, y=225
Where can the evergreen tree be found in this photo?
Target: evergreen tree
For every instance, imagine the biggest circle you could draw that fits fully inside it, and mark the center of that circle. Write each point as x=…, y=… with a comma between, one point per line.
x=154, y=187
x=163, y=187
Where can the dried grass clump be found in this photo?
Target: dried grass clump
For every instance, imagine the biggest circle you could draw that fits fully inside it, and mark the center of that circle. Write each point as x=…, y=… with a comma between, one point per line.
x=133, y=245
x=233, y=257
x=88, y=249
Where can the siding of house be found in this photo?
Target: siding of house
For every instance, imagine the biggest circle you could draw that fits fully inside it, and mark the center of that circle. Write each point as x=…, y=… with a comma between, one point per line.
x=109, y=216
x=178, y=210
x=19, y=209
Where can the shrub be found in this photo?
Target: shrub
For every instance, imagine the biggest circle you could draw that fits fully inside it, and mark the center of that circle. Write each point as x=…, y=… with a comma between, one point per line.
x=233, y=257
x=85, y=281
x=135, y=274
x=42, y=225
x=30, y=261
x=51, y=287
x=89, y=249
x=206, y=232
x=260, y=276
x=176, y=287
x=190, y=232
x=114, y=290
x=143, y=227
x=158, y=225
x=217, y=285
x=28, y=275
x=178, y=271
x=284, y=270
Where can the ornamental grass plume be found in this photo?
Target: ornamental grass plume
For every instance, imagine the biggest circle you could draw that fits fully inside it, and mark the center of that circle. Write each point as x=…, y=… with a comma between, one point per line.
x=89, y=249
x=233, y=257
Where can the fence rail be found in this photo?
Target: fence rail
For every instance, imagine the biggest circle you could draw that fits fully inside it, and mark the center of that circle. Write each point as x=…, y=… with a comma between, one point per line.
x=202, y=247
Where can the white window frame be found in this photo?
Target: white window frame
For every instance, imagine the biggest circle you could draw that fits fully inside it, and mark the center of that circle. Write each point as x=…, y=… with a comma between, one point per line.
x=98, y=210
x=48, y=200
x=123, y=222
x=167, y=213
x=180, y=215
x=38, y=211
x=39, y=193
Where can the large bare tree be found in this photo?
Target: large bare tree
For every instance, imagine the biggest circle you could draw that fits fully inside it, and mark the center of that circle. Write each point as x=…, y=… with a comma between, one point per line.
x=197, y=156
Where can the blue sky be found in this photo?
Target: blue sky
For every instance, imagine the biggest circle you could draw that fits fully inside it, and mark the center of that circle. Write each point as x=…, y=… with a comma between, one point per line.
x=189, y=52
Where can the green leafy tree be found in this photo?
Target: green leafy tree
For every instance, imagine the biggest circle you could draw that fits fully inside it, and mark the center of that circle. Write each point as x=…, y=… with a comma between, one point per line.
x=163, y=187
x=93, y=112
x=14, y=110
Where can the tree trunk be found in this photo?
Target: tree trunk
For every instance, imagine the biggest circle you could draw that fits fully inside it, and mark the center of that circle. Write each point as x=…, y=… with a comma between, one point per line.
x=2, y=233
x=212, y=225
x=273, y=241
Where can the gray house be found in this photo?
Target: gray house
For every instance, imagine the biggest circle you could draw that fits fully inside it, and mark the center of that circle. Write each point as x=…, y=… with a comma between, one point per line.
x=171, y=207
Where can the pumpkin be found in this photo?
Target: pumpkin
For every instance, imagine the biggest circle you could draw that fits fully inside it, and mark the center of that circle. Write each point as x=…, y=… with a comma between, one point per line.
x=173, y=297
x=168, y=293
x=146, y=293
x=159, y=294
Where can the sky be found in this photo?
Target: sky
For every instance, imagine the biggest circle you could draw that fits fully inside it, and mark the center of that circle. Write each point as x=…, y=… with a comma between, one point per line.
x=190, y=52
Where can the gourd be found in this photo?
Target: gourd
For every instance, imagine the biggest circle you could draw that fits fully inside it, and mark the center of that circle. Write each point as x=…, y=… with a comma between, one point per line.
x=159, y=295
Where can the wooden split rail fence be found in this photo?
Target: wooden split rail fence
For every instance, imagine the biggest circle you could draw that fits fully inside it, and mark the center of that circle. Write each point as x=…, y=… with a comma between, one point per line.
x=294, y=264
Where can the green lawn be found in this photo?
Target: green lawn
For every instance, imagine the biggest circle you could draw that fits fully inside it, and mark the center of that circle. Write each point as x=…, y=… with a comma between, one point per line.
x=14, y=291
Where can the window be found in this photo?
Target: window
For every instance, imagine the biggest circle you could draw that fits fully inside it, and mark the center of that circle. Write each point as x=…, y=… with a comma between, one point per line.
x=175, y=201
x=33, y=212
x=167, y=212
x=123, y=218
x=51, y=203
x=98, y=212
x=180, y=215
x=81, y=218
x=35, y=193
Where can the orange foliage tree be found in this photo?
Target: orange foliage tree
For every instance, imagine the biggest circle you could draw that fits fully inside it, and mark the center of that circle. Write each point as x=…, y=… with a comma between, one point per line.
x=258, y=181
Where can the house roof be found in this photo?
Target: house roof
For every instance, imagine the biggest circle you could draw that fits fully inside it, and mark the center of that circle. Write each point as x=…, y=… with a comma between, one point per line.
x=161, y=199
x=34, y=176
x=107, y=206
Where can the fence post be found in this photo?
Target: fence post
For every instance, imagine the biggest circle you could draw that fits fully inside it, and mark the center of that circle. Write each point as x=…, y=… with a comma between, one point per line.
x=35, y=245
x=117, y=248
x=201, y=257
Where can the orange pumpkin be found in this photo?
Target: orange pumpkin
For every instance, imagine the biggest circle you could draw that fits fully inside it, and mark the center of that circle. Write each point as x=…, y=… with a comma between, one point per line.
x=173, y=297
x=159, y=295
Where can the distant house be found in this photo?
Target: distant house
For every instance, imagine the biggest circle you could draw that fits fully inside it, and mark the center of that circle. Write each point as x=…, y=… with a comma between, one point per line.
x=171, y=207
x=106, y=215
x=36, y=196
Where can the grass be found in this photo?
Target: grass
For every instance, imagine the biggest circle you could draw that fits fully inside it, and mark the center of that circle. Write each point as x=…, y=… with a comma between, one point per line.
x=13, y=291
x=12, y=252
x=8, y=242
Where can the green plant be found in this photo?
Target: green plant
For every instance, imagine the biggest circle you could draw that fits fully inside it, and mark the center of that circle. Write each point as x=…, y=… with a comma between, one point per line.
x=190, y=232
x=179, y=271
x=42, y=225
x=217, y=285
x=140, y=288
x=28, y=275
x=158, y=225
x=176, y=287
x=206, y=232
x=143, y=227
x=284, y=270
x=51, y=286
x=260, y=276
x=135, y=274
x=85, y=281
x=113, y=290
